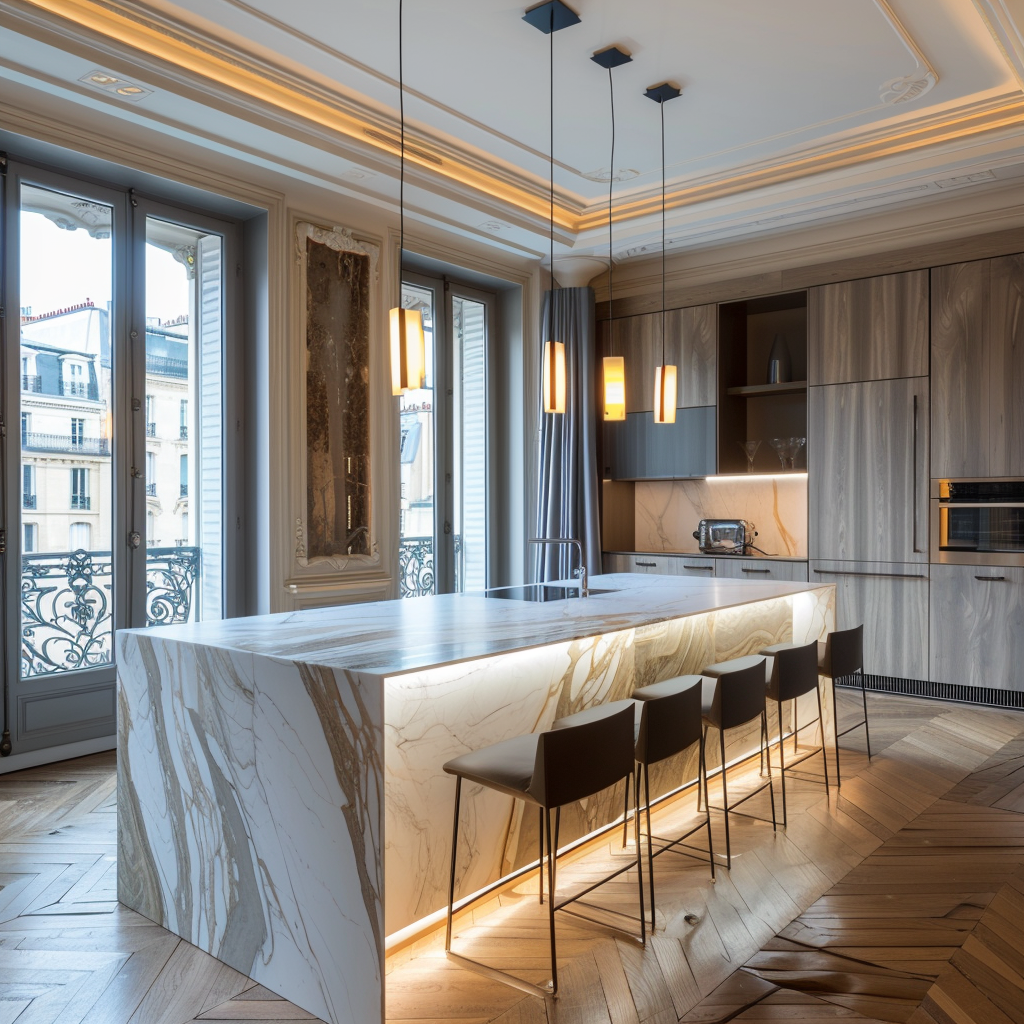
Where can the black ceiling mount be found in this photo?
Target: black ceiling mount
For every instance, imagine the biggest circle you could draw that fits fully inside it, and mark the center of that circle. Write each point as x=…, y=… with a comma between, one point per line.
x=611, y=57
x=551, y=15
x=663, y=92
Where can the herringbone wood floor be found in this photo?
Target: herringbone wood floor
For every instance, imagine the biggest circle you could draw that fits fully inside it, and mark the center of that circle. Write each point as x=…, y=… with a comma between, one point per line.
x=902, y=899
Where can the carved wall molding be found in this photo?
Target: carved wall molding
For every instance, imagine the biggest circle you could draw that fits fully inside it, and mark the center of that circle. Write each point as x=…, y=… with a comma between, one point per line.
x=914, y=84
x=1007, y=31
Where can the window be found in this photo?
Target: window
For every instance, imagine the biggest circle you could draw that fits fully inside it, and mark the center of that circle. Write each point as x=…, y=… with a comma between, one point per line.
x=150, y=529
x=26, y=427
x=151, y=473
x=77, y=431
x=29, y=538
x=28, y=485
x=74, y=380
x=183, y=474
x=80, y=488
x=80, y=537
x=183, y=419
x=183, y=540
x=150, y=417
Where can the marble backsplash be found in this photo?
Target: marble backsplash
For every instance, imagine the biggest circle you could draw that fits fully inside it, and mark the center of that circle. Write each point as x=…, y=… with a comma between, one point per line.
x=667, y=512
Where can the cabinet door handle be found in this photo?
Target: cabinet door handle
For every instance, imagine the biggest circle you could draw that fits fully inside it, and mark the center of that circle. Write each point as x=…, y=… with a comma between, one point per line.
x=702, y=568
x=914, y=471
x=762, y=571
x=646, y=565
x=882, y=575
x=991, y=579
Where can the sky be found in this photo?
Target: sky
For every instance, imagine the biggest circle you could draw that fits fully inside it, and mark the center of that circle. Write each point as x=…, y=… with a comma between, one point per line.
x=62, y=268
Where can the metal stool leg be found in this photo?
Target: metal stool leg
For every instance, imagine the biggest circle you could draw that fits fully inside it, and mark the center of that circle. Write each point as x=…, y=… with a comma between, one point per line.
x=725, y=804
x=540, y=855
x=650, y=848
x=451, y=876
x=704, y=767
x=551, y=899
x=782, y=765
x=625, y=815
x=702, y=779
x=771, y=784
x=824, y=756
x=835, y=731
x=864, y=698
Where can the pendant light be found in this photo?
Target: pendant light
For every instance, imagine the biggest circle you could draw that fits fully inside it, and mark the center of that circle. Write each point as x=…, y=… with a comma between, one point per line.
x=549, y=18
x=614, y=366
x=408, y=355
x=665, y=375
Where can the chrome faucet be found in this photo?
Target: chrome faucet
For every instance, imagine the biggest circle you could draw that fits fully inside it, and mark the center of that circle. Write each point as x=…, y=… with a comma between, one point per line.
x=581, y=571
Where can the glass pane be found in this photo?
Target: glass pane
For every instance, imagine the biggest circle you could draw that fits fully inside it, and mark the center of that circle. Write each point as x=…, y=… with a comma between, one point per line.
x=66, y=291
x=469, y=322
x=184, y=424
x=416, y=516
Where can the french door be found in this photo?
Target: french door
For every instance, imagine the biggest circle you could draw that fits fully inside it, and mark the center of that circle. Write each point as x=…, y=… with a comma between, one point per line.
x=443, y=536
x=115, y=488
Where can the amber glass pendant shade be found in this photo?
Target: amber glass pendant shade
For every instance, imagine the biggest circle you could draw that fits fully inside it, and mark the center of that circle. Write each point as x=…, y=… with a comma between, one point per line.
x=665, y=394
x=408, y=362
x=614, y=388
x=554, y=376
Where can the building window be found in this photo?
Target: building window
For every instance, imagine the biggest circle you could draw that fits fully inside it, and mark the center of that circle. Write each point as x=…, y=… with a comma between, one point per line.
x=26, y=427
x=30, y=538
x=77, y=430
x=183, y=420
x=183, y=541
x=74, y=382
x=150, y=529
x=80, y=488
x=150, y=416
x=183, y=473
x=151, y=473
x=28, y=486
x=79, y=536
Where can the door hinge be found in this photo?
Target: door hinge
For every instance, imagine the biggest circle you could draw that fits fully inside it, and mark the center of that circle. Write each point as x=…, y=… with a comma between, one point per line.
x=3, y=542
x=447, y=527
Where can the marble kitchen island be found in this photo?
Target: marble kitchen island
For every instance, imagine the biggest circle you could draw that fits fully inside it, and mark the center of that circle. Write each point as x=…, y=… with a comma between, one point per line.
x=281, y=802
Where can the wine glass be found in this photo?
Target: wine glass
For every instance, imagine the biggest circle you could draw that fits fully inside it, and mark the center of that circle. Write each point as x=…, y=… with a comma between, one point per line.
x=750, y=450
x=787, y=449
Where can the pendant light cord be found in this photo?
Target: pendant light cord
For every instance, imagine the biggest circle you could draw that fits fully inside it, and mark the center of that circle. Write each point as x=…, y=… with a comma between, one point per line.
x=401, y=159
x=551, y=143
x=611, y=183
x=661, y=104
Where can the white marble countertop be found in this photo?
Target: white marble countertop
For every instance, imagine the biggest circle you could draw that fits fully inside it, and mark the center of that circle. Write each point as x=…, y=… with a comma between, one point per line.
x=712, y=554
x=392, y=637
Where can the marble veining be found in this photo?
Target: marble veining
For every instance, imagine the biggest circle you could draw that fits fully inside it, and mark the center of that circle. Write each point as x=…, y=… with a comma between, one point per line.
x=667, y=512
x=281, y=799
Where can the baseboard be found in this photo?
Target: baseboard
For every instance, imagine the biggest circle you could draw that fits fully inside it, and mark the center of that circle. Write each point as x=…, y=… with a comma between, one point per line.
x=987, y=695
x=49, y=755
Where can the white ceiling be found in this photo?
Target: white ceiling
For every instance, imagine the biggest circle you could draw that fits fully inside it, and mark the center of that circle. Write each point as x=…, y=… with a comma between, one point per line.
x=792, y=111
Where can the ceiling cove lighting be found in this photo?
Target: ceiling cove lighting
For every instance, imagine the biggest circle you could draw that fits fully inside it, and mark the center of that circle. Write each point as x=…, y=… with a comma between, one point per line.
x=549, y=18
x=665, y=375
x=408, y=356
x=614, y=366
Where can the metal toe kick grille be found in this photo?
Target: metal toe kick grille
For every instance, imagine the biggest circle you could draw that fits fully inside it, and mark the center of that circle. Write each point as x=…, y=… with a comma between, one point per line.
x=941, y=691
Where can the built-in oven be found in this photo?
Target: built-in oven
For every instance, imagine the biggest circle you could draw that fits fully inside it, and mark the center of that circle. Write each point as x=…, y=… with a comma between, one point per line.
x=978, y=522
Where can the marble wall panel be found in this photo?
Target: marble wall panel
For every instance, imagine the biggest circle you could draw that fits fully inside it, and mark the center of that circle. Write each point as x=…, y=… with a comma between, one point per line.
x=668, y=511
x=250, y=816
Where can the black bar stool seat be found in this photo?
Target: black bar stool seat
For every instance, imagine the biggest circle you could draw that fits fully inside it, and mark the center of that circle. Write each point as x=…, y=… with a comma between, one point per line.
x=668, y=723
x=582, y=755
x=793, y=672
x=733, y=693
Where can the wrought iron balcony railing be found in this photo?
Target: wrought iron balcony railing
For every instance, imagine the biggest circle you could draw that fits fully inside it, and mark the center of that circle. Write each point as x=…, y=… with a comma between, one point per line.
x=31, y=382
x=28, y=501
x=151, y=490
x=183, y=432
x=150, y=430
x=72, y=443
x=81, y=502
x=164, y=366
x=416, y=575
x=77, y=389
x=66, y=606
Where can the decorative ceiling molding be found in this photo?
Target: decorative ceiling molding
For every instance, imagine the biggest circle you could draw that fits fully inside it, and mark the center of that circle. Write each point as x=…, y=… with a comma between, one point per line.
x=922, y=79
x=1007, y=32
x=250, y=87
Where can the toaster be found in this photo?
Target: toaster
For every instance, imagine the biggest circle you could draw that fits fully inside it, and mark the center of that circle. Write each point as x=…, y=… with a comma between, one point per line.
x=725, y=536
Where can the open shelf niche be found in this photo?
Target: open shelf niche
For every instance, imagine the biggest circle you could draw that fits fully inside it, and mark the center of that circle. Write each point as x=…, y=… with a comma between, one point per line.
x=749, y=408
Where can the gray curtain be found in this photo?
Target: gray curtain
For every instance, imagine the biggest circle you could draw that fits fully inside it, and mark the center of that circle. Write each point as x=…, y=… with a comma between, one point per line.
x=567, y=492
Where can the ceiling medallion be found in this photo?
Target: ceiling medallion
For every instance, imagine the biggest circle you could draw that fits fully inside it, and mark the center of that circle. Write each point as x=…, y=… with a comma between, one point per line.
x=604, y=174
x=907, y=88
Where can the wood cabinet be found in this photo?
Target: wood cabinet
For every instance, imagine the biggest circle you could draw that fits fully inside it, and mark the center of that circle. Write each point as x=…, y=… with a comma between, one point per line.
x=760, y=569
x=640, y=449
x=977, y=626
x=873, y=329
x=691, y=343
x=891, y=600
x=978, y=368
x=868, y=471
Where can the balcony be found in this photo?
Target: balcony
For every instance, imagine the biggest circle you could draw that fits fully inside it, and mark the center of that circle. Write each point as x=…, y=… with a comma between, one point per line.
x=77, y=389
x=66, y=604
x=150, y=430
x=64, y=443
x=163, y=366
x=28, y=501
x=416, y=565
x=31, y=382
x=183, y=491
x=151, y=490
x=183, y=432
x=81, y=502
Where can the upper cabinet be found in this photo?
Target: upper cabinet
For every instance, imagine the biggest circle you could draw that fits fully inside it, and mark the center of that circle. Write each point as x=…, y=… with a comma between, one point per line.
x=872, y=329
x=978, y=368
x=691, y=341
x=762, y=382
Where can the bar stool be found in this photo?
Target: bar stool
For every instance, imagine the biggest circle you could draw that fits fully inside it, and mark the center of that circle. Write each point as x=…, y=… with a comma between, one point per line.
x=794, y=672
x=841, y=656
x=670, y=722
x=583, y=755
x=733, y=693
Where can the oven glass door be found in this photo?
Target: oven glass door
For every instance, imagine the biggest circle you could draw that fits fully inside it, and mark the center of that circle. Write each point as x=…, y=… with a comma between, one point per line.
x=983, y=527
